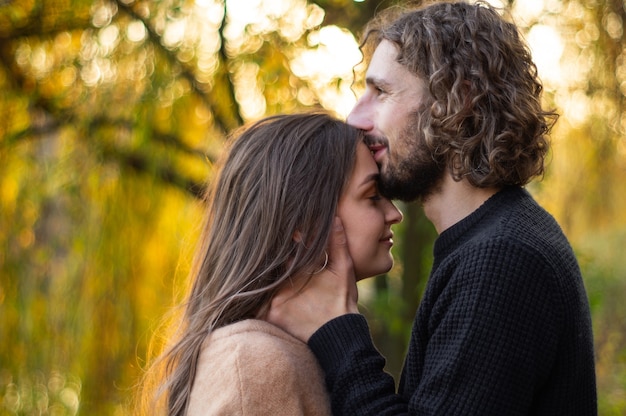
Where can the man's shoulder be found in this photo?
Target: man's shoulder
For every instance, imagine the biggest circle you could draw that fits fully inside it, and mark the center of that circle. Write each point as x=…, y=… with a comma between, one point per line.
x=513, y=221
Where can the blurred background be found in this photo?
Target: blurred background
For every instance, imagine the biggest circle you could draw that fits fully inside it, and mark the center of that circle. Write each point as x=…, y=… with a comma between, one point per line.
x=112, y=113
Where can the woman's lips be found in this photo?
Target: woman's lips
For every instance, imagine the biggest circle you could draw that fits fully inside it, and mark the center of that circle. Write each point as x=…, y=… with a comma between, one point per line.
x=388, y=239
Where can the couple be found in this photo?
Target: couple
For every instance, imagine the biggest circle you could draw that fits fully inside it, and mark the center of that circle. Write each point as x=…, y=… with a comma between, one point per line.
x=452, y=116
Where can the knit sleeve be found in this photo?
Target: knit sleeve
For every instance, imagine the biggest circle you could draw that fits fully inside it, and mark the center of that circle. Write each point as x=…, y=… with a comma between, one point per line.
x=354, y=369
x=492, y=333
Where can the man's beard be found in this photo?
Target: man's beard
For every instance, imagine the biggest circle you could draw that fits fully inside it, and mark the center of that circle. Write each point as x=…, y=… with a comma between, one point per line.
x=413, y=175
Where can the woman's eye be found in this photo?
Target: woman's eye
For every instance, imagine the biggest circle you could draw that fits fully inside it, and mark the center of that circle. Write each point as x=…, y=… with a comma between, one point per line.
x=375, y=197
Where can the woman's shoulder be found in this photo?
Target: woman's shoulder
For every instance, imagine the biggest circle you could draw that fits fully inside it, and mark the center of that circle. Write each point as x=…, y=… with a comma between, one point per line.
x=252, y=364
x=252, y=334
x=255, y=327
x=255, y=345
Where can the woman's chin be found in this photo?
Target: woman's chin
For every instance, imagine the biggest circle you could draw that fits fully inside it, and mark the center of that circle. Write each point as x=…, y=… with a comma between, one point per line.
x=372, y=273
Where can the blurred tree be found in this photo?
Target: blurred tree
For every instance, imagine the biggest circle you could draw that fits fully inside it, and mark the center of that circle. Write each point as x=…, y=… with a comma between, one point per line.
x=584, y=186
x=113, y=114
x=114, y=111
x=588, y=179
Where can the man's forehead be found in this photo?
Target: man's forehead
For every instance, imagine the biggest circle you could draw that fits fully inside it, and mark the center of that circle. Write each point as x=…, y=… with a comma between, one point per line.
x=384, y=68
x=385, y=53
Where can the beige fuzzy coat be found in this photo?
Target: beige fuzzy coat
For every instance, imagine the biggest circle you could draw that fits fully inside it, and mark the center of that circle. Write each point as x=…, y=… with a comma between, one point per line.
x=254, y=368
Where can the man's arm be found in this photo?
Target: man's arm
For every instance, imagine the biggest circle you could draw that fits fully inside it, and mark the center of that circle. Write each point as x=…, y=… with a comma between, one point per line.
x=355, y=376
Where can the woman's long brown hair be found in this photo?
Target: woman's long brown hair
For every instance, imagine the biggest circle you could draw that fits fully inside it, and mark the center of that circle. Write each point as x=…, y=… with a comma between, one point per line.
x=281, y=177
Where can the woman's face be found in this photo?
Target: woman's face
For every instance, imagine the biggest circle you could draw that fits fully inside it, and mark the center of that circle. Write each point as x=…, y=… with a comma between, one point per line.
x=367, y=218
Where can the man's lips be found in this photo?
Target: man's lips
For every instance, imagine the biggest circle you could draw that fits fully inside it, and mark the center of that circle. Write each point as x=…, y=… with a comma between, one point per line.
x=378, y=151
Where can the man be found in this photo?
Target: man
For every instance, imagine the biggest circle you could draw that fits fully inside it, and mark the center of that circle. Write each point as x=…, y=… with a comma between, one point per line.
x=452, y=112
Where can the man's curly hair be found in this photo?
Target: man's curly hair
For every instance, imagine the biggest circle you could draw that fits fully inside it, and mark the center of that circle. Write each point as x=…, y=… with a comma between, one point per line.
x=485, y=120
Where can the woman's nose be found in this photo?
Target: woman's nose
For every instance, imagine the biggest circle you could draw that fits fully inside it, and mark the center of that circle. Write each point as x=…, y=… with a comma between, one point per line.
x=394, y=215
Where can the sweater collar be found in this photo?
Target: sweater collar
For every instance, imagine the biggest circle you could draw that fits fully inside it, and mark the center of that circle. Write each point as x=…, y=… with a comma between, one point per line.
x=452, y=236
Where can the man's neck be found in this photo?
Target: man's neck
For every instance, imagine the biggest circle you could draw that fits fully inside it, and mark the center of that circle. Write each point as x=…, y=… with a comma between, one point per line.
x=452, y=201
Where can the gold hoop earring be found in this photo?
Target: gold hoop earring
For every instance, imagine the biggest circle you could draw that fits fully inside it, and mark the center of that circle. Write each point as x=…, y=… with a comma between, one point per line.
x=325, y=263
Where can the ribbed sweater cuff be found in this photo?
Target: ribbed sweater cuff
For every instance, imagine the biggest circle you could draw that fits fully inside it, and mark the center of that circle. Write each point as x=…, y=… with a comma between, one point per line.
x=333, y=343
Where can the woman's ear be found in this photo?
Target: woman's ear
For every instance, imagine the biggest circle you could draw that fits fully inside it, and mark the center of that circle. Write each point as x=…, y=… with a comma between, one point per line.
x=297, y=236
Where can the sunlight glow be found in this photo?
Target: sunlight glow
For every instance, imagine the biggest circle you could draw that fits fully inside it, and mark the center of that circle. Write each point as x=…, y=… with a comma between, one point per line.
x=174, y=33
x=528, y=9
x=103, y=14
x=326, y=64
x=330, y=63
x=243, y=10
x=248, y=93
x=547, y=47
x=496, y=3
x=136, y=31
x=614, y=25
x=108, y=38
x=575, y=107
x=210, y=12
x=90, y=74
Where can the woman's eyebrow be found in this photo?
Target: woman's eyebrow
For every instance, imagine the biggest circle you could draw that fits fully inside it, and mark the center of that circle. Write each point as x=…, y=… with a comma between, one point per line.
x=372, y=177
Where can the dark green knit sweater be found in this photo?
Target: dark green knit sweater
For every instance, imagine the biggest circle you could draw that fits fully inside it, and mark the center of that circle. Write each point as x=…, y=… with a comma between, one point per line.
x=503, y=328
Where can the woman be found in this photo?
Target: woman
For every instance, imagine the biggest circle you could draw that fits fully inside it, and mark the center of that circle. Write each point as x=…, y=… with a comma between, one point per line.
x=269, y=217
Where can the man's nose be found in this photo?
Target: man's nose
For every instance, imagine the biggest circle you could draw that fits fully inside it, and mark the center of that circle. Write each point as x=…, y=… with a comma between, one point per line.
x=360, y=118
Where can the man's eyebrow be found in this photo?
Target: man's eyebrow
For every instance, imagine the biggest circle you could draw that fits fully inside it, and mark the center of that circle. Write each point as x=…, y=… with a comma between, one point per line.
x=377, y=82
